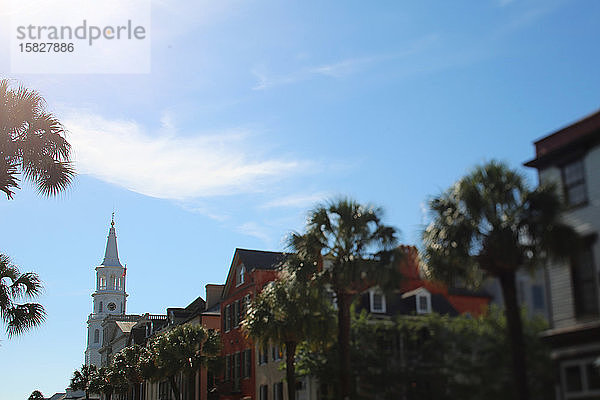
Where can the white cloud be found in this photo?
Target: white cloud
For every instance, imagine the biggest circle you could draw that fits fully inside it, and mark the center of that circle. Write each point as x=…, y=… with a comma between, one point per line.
x=255, y=230
x=297, y=200
x=334, y=70
x=337, y=69
x=171, y=166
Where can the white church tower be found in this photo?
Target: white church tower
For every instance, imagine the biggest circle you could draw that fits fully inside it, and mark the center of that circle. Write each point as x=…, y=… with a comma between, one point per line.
x=109, y=297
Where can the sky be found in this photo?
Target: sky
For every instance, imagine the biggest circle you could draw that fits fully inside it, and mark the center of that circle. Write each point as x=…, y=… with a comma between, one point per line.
x=254, y=112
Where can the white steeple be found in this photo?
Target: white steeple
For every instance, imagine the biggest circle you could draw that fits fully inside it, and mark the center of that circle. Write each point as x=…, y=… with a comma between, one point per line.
x=109, y=298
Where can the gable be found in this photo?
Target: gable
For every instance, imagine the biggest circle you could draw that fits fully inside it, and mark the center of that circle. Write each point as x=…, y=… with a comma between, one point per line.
x=252, y=260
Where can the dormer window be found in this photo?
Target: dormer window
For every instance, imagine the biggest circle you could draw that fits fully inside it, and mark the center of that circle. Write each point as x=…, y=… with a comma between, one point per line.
x=423, y=303
x=240, y=275
x=422, y=300
x=377, y=301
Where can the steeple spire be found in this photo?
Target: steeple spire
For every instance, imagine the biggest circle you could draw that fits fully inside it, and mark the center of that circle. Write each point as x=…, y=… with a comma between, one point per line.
x=111, y=255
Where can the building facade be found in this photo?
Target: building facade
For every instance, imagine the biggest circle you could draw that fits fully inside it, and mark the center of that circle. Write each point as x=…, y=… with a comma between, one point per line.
x=245, y=376
x=109, y=298
x=570, y=158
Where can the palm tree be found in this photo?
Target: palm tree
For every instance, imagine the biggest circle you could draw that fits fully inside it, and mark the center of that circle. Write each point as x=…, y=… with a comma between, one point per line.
x=83, y=379
x=286, y=312
x=183, y=349
x=32, y=143
x=15, y=287
x=490, y=224
x=349, y=249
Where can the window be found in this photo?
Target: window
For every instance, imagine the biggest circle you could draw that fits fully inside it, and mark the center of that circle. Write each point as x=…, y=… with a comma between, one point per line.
x=423, y=304
x=120, y=283
x=102, y=284
x=240, y=275
x=278, y=391
x=377, y=300
x=244, y=307
x=263, y=355
x=96, y=336
x=584, y=283
x=100, y=307
x=573, y=176
x=236, y=314
x=580, y=379
x=227, y=367
x=113, y=282
x=237, y=369
x=246, y=363
x=277, y=353
x=227, y=317
x=537, y=297
x=263, y=392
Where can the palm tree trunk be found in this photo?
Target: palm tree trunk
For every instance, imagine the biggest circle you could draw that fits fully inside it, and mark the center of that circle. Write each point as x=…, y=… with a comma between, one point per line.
x=290, y=372
x=515, y=333
x=174, y=387
x=343, y=302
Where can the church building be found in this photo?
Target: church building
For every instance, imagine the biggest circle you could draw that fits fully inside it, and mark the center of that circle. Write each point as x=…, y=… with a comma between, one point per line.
x=109, y=298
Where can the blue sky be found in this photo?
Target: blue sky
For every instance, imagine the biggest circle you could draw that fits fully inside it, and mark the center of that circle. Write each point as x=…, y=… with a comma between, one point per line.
x=256, y=110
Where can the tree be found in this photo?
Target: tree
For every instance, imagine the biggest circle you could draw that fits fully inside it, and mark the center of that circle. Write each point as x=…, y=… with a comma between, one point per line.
x=286, y=312
x=36, y=395
x=434, y=357
x=490, y=224
x=108, y=381
x=15, y=287
x=183, y=349
x=32, y=143
x=127, y=363
x=349, y=249
x=83, y=379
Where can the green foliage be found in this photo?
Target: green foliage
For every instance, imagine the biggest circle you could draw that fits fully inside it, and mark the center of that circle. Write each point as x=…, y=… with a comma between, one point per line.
x=434, y=357
x=83, y=379
x=36, y=395
x=15, y=287
x=183, y=349
x=108, y=381
x=352, y=237
x=127, y=362
x=32, y=143
x=489, y=222
x=289, y=310
x=347, y=248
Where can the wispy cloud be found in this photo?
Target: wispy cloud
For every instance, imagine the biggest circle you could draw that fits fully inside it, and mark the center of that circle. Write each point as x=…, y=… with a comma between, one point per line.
x=255, y=230
x=171, y=166
x=337, y=69
x=297, y=200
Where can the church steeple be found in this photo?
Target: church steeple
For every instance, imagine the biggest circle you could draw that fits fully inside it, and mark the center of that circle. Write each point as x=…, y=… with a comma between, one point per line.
x=111, y=255
x=109, y=298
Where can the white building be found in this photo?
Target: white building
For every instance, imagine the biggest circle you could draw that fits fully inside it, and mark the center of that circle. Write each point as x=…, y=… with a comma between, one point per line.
x=108, y=299
x=570, y=158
